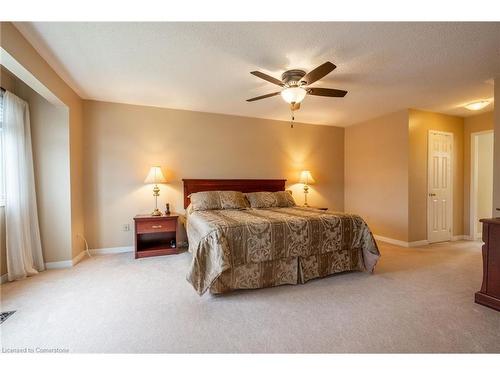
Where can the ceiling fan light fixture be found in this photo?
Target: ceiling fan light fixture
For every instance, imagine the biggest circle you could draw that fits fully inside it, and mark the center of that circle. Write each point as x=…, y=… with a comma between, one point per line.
x=476, y=106
x=294, y=85
x=293, y=94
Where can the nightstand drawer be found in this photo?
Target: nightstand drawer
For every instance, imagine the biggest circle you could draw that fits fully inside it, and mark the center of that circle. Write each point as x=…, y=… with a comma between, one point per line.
x=153, y=226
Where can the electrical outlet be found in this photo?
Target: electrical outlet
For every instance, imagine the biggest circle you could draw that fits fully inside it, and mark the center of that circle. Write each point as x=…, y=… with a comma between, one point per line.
x=126, y=227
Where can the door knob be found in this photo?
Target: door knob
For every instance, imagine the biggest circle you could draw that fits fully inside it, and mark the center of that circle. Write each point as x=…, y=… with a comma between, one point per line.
x=432, y=195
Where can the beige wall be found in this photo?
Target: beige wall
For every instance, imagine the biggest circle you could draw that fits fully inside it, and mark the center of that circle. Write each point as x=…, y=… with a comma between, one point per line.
x=20, y=49
x=472, y=124
x=376, y=174
x=484, y=177
x=420, y=122
x=50, y=143
x=496, y=145
x=123, y=141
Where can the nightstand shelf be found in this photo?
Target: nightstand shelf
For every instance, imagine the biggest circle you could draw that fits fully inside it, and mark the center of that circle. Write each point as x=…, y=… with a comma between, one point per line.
x=154, y=235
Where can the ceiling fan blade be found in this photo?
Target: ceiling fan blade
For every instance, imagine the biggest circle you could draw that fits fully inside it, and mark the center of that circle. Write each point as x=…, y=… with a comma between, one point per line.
x=263, y=96
x=326, y=92
x=318, y=73
x=267, y=78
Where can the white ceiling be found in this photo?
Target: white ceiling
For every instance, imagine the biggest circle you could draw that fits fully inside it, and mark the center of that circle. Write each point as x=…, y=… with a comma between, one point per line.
x=205, y=66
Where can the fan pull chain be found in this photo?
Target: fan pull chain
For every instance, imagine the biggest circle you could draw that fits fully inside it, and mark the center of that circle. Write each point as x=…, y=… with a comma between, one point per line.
x=293, y=119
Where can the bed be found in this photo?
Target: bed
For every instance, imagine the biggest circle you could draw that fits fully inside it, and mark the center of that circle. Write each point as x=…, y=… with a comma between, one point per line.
x=263, y=247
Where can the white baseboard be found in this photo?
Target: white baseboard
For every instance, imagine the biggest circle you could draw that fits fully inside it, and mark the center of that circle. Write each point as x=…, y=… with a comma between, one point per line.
x=392, y=241
x=65, y=263
x=112, y=250
x=78, y=258
x=73, y=262
x=59, y=265
x=418, y=243
x=108, y=250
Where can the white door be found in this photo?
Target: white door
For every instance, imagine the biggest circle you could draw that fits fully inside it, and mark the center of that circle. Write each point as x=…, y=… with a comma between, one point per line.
x=440, y=205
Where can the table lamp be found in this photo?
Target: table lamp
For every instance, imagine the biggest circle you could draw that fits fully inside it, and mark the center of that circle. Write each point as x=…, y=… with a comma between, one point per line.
x=155, y=176
x=306, y=179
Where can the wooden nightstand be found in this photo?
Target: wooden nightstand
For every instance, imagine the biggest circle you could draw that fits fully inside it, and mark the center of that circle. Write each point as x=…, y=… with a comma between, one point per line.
x=154, y=234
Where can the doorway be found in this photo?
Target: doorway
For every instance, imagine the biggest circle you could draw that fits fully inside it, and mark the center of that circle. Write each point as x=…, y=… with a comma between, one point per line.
x=440, y=186
x=481, y=198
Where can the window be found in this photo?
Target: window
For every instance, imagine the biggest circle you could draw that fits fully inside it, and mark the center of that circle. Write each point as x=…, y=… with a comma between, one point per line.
x=2, y=174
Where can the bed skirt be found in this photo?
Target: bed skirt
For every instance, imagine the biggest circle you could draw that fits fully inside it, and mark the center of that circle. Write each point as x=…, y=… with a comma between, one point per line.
x=292, y=270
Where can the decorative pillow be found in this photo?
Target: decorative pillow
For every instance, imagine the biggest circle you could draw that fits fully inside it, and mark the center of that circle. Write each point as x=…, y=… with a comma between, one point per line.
x=264, y=199
x=232, y=200
x=218, y=200
x=285, y=199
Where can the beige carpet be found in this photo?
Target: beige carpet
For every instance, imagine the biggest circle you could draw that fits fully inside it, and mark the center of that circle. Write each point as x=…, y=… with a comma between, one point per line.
x=419, y=300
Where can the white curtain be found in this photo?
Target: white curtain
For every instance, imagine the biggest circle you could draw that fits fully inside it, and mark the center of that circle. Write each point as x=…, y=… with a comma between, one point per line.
x=24, y=249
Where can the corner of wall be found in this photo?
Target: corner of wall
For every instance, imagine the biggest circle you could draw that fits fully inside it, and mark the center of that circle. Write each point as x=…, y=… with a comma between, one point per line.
x=496, y=151
x=76, y=177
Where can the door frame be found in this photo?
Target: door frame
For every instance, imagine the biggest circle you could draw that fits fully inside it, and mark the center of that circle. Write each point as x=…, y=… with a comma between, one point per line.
x=473, y=184
x=452, y=180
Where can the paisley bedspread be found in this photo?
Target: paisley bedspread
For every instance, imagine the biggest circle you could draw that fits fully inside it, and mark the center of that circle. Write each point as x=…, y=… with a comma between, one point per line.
x=268, y=244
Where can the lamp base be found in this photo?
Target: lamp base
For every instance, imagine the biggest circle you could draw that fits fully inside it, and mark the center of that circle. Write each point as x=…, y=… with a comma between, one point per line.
x=306, y=191
x=156, y=212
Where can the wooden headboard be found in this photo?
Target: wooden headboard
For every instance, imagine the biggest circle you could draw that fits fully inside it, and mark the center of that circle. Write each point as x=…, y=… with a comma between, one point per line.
x=245, y=186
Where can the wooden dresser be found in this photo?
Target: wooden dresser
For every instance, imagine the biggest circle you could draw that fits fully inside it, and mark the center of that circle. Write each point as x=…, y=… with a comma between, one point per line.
x=489, y=295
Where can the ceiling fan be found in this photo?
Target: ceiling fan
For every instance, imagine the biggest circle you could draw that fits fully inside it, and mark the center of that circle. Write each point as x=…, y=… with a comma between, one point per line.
x=296, y=83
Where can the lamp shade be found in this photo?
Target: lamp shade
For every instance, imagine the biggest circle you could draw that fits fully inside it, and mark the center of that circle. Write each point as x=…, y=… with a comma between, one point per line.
x=293, y=94
x=155, y=176
x=306, y=178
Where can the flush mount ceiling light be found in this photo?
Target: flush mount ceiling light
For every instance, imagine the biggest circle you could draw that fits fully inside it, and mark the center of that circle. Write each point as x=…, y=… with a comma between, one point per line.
x=476, y=106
